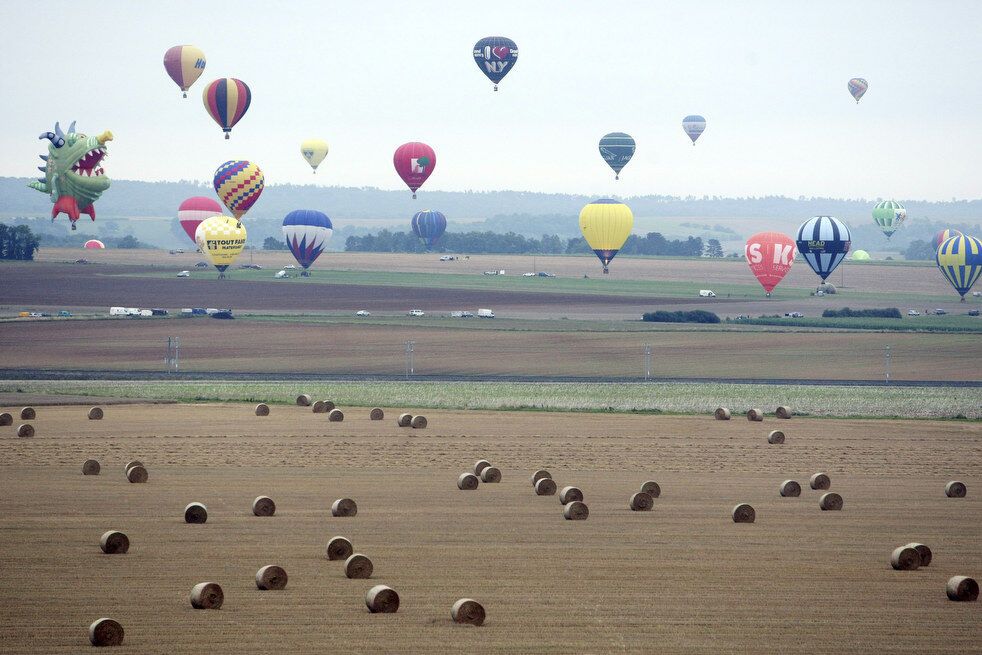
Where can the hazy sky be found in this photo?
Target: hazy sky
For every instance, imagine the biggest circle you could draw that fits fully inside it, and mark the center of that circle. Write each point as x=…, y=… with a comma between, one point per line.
x=770, y=77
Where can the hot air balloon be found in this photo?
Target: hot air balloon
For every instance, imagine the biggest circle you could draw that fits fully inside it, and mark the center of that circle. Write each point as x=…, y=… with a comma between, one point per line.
x=823, y=241
x=307, y=231
x=617, y=149
x=694, y=125
x=606, y=224
x=184, y=64
x=944, y=235
x=857, y=87
x=495, y=56
x=860, y=256
x=194, y=210
x=227, y=100
x=959, y=259
x=221, y=239
x=889, y=215
x=770, y=255
x=94, y=244
x=414, y=162
x=239, y=185
x=429, y=226
x=314, y=151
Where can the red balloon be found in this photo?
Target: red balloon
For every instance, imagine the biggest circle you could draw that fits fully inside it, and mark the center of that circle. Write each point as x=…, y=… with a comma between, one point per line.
x=194, y=210
x=414, y=162
x=770, y=255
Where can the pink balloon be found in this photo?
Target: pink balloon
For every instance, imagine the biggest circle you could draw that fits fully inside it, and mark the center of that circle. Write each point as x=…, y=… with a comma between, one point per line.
x=414, y=163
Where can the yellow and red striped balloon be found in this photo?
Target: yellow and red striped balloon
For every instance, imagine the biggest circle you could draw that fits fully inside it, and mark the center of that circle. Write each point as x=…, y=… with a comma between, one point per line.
x=239, y=185
x=227, y=100
x=184, y=64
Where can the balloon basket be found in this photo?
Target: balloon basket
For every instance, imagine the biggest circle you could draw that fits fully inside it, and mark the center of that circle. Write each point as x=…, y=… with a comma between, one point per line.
x=185, y=95
x=606, y=271
x=414, y=196
x=495, y=87
x=74, y=227
x=226, y=136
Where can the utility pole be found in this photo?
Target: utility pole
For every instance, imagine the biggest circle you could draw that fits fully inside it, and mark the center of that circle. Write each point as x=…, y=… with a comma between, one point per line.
x=886, y=363
x=410, y=365
x=647, y=361
x=173, y=356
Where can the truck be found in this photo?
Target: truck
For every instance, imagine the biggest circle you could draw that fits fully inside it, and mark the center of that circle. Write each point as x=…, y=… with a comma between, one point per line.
x=485, y=313
x=707, y=293
x=117, y=311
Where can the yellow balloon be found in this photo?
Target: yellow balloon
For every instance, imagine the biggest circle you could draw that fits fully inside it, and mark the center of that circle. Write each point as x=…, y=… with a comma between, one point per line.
x=606, y=224
x=222, y=239
x=314, y=151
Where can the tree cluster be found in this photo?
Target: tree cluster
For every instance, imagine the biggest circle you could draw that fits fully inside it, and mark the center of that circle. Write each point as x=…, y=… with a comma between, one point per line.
x=17, y=243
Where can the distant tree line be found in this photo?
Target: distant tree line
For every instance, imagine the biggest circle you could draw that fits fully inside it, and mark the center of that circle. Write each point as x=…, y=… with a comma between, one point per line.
x=18, y=243
x=76, y=240
x=845, y=312
x=692, y=316
x=919, y=249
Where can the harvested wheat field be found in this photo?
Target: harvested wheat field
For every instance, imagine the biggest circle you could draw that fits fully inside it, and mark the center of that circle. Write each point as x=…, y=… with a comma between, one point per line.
x=682, y=578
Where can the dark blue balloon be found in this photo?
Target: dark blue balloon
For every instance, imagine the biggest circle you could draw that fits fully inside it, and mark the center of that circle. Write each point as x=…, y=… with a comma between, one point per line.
x=617, y=149
x=495, y=56
x=429, y=226
x=307, y=232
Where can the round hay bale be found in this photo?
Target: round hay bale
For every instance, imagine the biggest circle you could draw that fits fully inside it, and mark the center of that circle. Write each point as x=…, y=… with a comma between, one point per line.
x=405, y=420
x=744, y=513
x=91, y=467
x=538, y=475
x=480, y=465
x=339, y=548
x=262, y=409
x=754, y=414
x=905, y=558
x=114, y=543
x=263, y=506
x=25, y=430
x=130, y=464
x=320, y=407
x=382, y=600
x=642, y=502
x=576, y=511
x=830, y=502
x=418, y=422
x=207, y=596
x=545, y=487
x=336, y=416
x=105, y=632
x=962, y=588
x=955, y=489
x=6, y=418
x=467, y=611
x=569, y=494
x=329, y=405
x=358, y=567
x=820, y=481
x=28, y=414
x=651, y=488
x=491, y=474
x=271, y=578
x=721, y=414
x=195, y=513
x=304, y=400
x=783, y=411
x=95, y=414
x=137, y=474
x=376, y=414
x=776, y=436
x=467, y=482
x=924, y=552
x=344, y=507
x=790, y=489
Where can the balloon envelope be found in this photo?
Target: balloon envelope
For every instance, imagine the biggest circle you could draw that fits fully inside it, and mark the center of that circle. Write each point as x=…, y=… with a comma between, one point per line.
x=239, y=185
x=944, y=235
x=860, y=256
x=959, y=259
x=694, y=125
x=307, y=232
x=227, y=100
x=857, y=87
x=194, y=210
x=414, y=162
x=429, y=226
x=94, y=244
x=314, y=151
x=495, y=56
x=889, y=215
x=823, y=241
x=770, y=256
x=221, y=239
x=617, y=148
x=184, y=64
x=606, y=224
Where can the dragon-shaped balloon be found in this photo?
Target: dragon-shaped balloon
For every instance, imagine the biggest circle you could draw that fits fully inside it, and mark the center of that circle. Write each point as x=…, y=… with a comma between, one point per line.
x=73, y=173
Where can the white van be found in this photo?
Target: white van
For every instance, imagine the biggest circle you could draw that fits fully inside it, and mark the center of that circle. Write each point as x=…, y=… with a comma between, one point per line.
x=117, y=311
x=707, y=293
x=485, y=313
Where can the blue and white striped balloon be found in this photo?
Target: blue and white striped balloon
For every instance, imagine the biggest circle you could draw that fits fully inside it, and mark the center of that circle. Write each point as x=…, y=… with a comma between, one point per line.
x=823, y=241
x=307, y=232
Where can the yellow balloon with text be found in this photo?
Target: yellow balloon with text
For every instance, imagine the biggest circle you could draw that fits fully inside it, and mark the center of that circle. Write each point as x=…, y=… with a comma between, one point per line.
x=221, y=239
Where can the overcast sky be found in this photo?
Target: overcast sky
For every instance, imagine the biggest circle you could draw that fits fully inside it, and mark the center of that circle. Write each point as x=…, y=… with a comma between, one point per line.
x=770, y=78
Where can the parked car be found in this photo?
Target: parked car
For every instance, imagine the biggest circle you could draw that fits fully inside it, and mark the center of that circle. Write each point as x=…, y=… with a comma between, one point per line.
x=528, y=274
x=416, y=312
x=363, y=312
x=184, y=274
x=485, y=313
x=447, y=258
x=913, y=312
x=201, y=265
x=282, y=275
x=156, y=311
x=64, y=313
x=224, y=313
x=794, y=315
x=707, y=293
x=973, y=312
x=290, y=267
x=82, y=261
x=544, y=274
x=940, y=312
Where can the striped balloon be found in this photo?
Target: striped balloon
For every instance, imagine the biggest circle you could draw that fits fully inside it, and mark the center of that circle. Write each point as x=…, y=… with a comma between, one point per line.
x=239, y=185
x=823, y=241
x=194, y=210
x=429, y=226
x=617, y=149
x=307, y=231
x=960, y=260
x=944, y=235
x=858, y=87
x=184, y=64
x=227, y=100
x=889, y=215
x=693, y=126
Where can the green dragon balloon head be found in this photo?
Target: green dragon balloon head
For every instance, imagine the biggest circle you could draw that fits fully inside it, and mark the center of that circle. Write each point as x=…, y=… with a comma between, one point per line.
x=73, y=173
